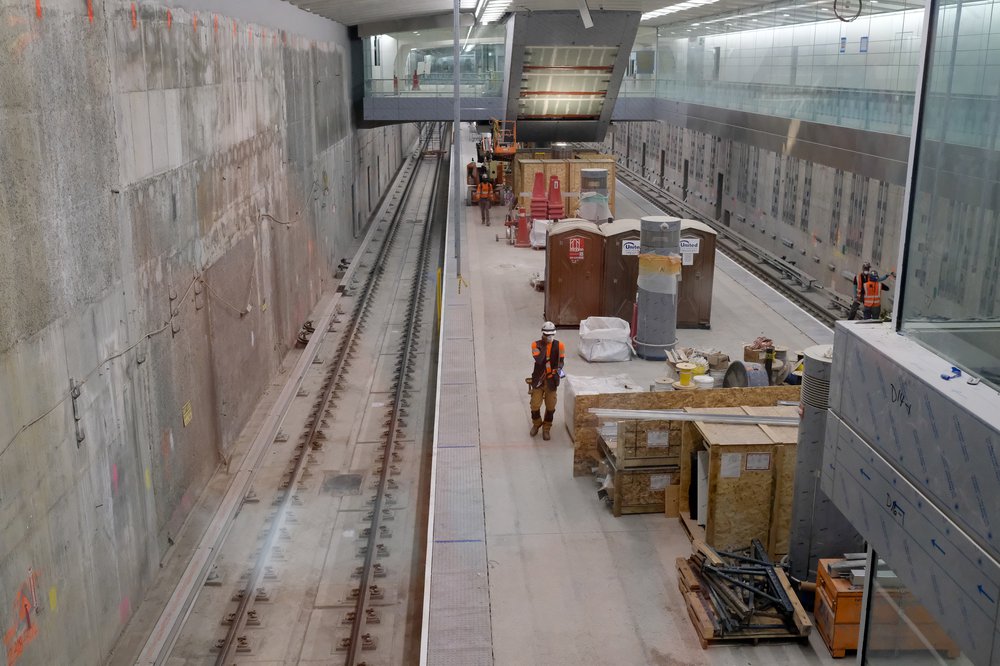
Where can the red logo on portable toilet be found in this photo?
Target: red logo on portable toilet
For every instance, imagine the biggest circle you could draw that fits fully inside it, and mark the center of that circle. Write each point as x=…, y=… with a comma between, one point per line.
x=576, y=244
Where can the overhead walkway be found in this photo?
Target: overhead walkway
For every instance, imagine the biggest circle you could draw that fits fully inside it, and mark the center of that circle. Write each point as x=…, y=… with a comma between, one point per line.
x=547, y=70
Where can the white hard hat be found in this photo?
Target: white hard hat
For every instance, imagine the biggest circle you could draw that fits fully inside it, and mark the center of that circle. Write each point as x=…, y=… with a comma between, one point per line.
x=549, y=328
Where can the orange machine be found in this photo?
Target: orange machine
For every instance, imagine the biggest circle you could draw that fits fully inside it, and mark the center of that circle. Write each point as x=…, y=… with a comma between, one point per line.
x=504, y=139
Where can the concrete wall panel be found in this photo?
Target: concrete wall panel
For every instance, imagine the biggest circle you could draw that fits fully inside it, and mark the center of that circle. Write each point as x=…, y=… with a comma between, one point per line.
x=139, y=159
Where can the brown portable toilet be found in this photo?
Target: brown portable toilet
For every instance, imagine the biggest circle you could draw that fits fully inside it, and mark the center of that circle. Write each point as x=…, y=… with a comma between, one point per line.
x=621, y=267
x=694, y=293
x=574, y=269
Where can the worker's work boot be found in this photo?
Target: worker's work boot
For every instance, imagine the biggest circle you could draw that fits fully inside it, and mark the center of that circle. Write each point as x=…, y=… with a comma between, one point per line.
x=545, y=435
x=535, y=429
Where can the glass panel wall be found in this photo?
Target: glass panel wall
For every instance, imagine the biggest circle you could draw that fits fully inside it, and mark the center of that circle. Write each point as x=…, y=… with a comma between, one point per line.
x=950, y=293
x=900, y=631
x=421, y=62
x=797, y=60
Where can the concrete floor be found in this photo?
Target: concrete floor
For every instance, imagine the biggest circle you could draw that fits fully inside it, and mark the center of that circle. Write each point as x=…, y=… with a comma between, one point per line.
x=569, y=583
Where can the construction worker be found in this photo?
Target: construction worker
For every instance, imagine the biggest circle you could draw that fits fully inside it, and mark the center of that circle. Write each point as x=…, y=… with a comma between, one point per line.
x=485, y=193
x=872, y=295
x=859, y=293
x=549, y=355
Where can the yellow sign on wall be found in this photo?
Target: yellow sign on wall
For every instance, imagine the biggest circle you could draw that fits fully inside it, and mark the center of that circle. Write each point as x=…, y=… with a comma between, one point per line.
x=186, y=413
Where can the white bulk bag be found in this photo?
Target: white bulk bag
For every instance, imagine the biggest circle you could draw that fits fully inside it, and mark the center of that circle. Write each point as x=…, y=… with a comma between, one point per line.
x=605, y=340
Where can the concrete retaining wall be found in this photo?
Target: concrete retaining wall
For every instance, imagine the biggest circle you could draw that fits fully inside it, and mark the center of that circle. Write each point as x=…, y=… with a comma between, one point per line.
x=176, y=193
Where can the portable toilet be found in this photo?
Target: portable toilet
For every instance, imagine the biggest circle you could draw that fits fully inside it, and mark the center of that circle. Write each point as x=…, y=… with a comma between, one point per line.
x=621, y=267
x=574, y=270
x=694, y=293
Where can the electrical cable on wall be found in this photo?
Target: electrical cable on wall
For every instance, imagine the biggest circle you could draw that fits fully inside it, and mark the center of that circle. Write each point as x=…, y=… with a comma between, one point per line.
x=849, y=18
x=65, y=396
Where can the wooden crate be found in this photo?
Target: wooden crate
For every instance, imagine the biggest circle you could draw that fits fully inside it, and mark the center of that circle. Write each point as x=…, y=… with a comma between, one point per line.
x=837, y=611
x=585, y=435
x=638, y=489
x=750, y=478
x=644, y=443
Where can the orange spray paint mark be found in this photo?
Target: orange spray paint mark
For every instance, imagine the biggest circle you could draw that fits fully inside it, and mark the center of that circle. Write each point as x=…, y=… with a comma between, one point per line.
x=234, y=28
x=24, y=630
x=38, y=8
x=90, y=10
x=215, y=22
x=194, y=22
x=135, y=17
x=170, y=19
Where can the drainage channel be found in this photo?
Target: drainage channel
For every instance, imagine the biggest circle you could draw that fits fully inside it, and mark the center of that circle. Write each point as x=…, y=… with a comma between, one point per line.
x=323, y=561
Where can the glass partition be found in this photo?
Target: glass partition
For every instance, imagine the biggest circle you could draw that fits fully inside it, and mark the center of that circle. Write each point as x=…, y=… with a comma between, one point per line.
x=900, y=631
x=795, y=60
x=421, y=63
x=950, y=295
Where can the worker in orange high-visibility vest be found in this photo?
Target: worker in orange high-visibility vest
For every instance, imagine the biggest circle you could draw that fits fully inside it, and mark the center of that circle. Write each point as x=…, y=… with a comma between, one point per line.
x=549, y=355
x=485, y=193
x=872, y=289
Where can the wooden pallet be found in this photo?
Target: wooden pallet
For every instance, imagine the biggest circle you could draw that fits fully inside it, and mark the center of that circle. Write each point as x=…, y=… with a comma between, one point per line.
x=703, y=616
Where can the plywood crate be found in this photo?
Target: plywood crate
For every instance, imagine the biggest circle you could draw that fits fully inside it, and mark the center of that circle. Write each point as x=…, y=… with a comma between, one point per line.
x=585, y=434
x=750, y=478
x=644, y=443
x=642, y=490
x=637, y=489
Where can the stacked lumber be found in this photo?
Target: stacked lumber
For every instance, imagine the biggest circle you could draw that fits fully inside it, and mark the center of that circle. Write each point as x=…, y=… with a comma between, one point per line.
x=739, y=597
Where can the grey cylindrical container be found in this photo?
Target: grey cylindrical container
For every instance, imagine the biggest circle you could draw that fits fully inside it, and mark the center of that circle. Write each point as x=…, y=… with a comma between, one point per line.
x=817, y=529
x=656, y=328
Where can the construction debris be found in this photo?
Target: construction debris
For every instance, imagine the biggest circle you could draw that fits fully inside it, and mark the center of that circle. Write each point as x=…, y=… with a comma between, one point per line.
x=739, y=597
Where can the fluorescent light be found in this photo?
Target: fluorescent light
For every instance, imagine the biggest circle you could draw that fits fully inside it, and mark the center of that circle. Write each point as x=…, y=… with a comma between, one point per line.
x=688, y=4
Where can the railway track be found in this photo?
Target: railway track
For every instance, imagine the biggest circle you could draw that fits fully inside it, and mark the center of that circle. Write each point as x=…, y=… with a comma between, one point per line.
x=329, y=569
x=791, y=282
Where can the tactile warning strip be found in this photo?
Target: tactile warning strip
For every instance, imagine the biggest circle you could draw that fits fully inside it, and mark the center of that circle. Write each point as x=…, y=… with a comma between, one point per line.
x=457, y=626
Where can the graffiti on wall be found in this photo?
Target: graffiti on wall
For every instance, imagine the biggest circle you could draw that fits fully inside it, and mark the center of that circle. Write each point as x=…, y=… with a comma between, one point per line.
x=24, y=629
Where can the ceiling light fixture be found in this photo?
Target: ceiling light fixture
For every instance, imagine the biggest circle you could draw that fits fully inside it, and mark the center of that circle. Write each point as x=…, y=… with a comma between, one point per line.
x=672, y=9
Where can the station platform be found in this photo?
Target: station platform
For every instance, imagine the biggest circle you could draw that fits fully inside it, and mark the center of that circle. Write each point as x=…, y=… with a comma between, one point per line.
x=526, y=564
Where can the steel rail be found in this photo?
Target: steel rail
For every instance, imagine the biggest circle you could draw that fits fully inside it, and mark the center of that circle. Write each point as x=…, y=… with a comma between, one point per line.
x=407, y=344
x=164, y=634
x=358, y=315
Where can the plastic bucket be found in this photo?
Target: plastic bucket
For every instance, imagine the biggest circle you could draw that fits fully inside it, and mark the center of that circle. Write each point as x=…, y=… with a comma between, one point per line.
x=704, y=381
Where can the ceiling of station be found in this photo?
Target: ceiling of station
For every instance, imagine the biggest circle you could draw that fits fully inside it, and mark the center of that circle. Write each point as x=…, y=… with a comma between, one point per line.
x=565, y=81
x=708, y=16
